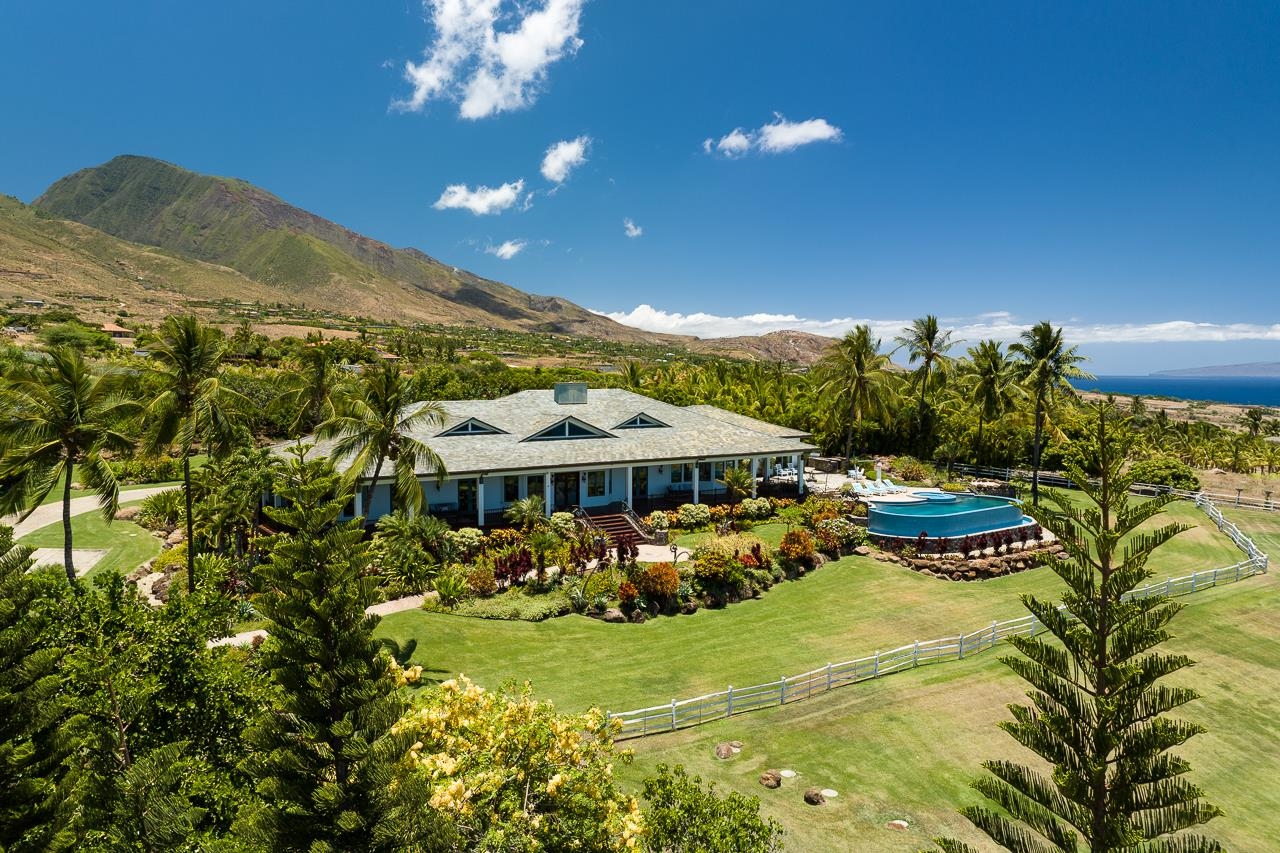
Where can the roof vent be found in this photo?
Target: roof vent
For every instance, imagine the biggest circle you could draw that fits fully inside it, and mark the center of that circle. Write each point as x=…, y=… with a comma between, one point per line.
x=571, y=393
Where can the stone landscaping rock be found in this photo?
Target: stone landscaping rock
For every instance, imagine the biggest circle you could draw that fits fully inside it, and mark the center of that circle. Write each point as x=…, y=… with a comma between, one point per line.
x=724, y=751
x=177, y=537
x=127, y=513
x=898, y=825
x=736, y=744
x=637, y=617
x=689, y=608
x=613, y=614
x=862, y=551
x=771, y=779
x=814, y=797
x=830, y=792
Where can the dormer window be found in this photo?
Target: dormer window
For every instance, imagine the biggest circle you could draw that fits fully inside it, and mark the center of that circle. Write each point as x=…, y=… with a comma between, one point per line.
x=568, y=428
x=471, y=426
x=641, y=421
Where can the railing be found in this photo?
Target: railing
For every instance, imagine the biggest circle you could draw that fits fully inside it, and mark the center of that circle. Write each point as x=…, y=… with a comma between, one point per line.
x=637, y=522
x=682, y=713
x=587, y=523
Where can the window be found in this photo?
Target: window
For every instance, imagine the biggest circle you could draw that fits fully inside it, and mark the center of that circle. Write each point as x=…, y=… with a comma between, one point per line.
x=704, y=472
x=682, y=473
x=595, y=484
x=535, y=485
x=568, y=428
x=640, y=421
x=510, y=489
x=471, y=426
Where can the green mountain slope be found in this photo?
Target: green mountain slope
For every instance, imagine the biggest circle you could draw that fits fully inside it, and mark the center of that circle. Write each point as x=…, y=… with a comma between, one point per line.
x=316, y=262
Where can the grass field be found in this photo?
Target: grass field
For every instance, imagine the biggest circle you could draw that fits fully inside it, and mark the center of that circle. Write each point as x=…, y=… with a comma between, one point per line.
x=845, y=610
x=128, y=545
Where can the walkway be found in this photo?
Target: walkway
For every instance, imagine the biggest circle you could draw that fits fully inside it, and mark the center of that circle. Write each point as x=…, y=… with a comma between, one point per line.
x=244, y=638
x=51, y=513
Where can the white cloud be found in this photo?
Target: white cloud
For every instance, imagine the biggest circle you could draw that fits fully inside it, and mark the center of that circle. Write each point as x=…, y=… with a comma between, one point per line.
x=999, y=325
x=774, y=138
x=487, y=70
x=563, y=157
x=481, y=200
x=507, y=250
x=632, y=230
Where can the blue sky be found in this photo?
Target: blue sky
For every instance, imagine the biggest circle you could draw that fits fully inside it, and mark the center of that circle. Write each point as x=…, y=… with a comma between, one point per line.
x=1114, y=168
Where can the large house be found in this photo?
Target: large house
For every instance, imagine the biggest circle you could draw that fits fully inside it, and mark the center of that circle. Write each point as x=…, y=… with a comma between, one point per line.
x=593, y=449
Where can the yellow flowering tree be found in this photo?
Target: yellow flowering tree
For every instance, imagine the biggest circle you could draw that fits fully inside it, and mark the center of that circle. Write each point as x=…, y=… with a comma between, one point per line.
x=509, y=773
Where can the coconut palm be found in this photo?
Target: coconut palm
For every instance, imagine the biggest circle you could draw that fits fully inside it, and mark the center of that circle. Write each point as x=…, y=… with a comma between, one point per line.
x=1045, y=364
x=193, y=406
x=927, y=344
x=855, y=376
x=993, y=385
x=58, y=414
x=374, y=426
x=738, y=481
x=311, y=393
x=527, y=513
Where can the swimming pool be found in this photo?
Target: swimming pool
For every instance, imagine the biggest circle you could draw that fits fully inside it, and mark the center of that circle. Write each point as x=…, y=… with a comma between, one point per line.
x=937, y=517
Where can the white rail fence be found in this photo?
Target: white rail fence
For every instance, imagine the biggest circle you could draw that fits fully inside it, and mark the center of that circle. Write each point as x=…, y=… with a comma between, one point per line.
x=683, y=713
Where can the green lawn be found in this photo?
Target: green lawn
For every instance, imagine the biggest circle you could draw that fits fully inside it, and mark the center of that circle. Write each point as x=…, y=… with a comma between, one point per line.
x=770, y=534
x=55, y=496
x=845, y=610
x=129, y=545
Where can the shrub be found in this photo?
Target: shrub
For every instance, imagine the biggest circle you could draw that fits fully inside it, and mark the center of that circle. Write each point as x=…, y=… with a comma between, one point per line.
x=1166, y=472
x=466, y=542
x=563, y=525
x=163, y=510
x=658, y=582
x=692, y=516
x=719, y=513
x=816, y=510
x=451, y=587
x=756, y=509
x=954, y=487
x=159, y=469
x=839, y=535
x=517, y=604
x=911, y=469
x=503, y=537
x=171, y=559
x=797, y=548
x=627, y=594
x=481, y=582
x=718, y=571
x=603, y=583
x=658, y=520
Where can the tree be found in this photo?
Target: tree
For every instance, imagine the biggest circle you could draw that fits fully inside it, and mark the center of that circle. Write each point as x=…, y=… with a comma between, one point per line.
x=31, y=700
x=373, y=426
x=1253, y=421
x=856, y=376
x=738, y=481
x=313, y=393
x=193, y=406
x=1098, y=707
x=1045, y=364
x=927, y=344
x=527, y=513
x=59, y=414
x=993, y=385
x=322, y=754
x=684, y=816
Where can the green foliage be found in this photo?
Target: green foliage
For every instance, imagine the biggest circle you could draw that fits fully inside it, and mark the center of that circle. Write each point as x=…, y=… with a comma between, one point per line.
x=693, y=516
x=77, y=336
x=912, y=470
x=162, y=511
x=160, y=469
x=451, y=586
x=517, y=604
x=563, y=525
x=170, y=559
x=480, y=580
x=658, y=583
x=1098, y=710
x=756, y=509
x=322, y=756
x=1165, y=472
x=527, y=513
x=407, y=549
x=797, y=548
x=466, y=541
x=683, y=816
x=659, y=521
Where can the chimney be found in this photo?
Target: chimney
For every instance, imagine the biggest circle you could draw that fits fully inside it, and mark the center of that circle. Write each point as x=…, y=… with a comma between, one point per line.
x=570, y=393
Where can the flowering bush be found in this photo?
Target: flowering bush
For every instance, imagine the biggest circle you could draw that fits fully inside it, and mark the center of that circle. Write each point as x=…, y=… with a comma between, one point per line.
x=481, y=582
x=817, y=510
x=720, y=513
x=503, y=537
x=694, y=515
x=627, y=594
x=780, y=504
x=657, y=520
x=563, y=525
x=797, y=548
x=718, y=572
x=839, y=535
x=509, y=773
x=756, y=509
x=466, y=541
x=658, y=583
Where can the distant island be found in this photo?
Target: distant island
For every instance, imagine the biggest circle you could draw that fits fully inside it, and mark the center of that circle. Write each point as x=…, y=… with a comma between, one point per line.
x=1260, y=369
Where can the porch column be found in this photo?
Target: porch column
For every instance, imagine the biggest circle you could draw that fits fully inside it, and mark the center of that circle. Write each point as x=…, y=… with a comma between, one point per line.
x=359, y=500
x=797, y=462
x=755, y=466
x=697, y=469
x=547, y=490
x=629, y=481
x=480, y=502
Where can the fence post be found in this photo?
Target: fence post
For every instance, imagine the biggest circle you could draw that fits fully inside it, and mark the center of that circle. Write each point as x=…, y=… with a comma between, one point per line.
x=1193, y=581
x=828, y=676
x=915, y=654
x=1168, y=587
x=875, y=667
x=782, y=690
x=961, y=647
x=729, y=707
x=995, y=633
x=673, y=715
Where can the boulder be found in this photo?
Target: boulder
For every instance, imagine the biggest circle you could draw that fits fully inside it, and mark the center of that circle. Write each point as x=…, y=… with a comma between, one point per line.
x=814, y=797
x=127, y=513
x=898, y=825
x=771, y=779
x=723, y=751
x=736, y=744
x=613, y=614
x=177, y=537
x=689, y=607
x=637, y=617
x=862, y=551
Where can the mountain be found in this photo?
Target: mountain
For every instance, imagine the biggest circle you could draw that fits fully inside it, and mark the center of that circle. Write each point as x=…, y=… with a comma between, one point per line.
x=298, y=257
x=788, y=346
x=1260, y=369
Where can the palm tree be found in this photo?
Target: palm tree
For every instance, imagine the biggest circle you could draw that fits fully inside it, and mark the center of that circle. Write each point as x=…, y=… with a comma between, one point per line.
x=373, y=426
x=59, y=414
x=993, y=385
x=856, y=375
x=927, y=344
x=738, y=481
x=1045, y=364
x=193, y=406
x=312, y=393
x=527, y=513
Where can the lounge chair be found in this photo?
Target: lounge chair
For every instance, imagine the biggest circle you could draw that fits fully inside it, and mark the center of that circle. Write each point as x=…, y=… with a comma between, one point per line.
x=893, y=487
x=862, y=490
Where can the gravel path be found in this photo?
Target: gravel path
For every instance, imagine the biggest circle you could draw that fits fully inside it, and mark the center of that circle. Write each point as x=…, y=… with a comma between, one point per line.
x=52, y=513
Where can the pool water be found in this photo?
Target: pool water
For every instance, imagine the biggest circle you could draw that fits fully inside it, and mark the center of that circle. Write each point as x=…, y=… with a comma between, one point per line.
x=966, y=515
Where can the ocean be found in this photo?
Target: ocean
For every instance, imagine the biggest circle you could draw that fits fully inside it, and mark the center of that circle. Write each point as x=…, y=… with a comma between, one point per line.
x=1242, y=390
